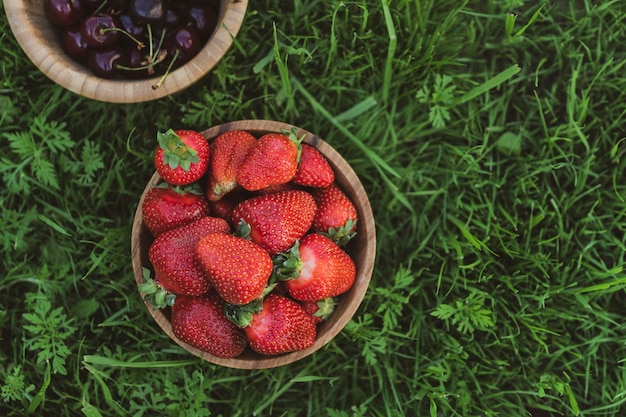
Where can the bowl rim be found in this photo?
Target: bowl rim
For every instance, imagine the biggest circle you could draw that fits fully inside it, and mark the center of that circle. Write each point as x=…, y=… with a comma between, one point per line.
x=365, y=230
x=25, y=18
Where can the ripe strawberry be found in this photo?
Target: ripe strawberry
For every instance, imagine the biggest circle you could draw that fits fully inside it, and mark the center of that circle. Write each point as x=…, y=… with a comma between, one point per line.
x=224, y=206
x=228, y=151
x=313, y=170
x=237, y=268
x=336, y=215
x=200, y=322
x=319, y=310
x=172, y=255
x=277, y=188
x=273, y=160
x=277, y=220
x=280, y=326
x=165, y=208
x=182, y=156
x=315, y=268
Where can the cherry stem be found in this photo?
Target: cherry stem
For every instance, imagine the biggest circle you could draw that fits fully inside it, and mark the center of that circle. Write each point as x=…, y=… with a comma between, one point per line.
x=140, y=44
x=169, y=67
x=159, y=46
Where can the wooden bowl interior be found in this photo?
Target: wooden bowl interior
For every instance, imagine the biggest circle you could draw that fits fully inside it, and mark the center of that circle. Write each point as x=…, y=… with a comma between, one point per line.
x=40, y=42
x=362, y=249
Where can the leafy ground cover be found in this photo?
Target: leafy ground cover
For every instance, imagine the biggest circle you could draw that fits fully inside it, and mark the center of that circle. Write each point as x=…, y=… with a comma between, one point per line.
x=490, y=138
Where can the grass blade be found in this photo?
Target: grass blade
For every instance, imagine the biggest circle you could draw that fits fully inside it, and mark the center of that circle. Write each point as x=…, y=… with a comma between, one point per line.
x=489, y=84
x=101, y=360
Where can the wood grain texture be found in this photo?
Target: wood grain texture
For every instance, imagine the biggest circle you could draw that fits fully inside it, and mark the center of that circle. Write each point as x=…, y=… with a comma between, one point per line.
x=40, y=43
x=362, y=249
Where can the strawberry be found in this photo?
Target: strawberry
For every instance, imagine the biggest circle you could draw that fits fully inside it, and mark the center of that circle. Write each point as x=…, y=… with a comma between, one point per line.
x=277, y=220
x=165, y=208
x=277, y=188
x=224, y=206
x=237, y=268
x=319, y=310
x=182, y=156
x=313, y=170
x=172, y=255
x=228, y=151
x=336, y=215
x=315, y=268
x=273, y=160
x=280, y=326
x=200, y=322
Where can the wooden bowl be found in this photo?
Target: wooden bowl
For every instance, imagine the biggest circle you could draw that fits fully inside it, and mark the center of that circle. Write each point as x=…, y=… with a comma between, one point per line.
x=39, y=41
x=362, y=248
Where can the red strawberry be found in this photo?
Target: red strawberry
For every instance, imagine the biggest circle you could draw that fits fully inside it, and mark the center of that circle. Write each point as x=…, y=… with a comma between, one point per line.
x=277, y=220
x=319, y=310
x=313, y=170
x=336, y=215
x=316, y=268
x=224, y=206
x=272, y=160
x=172, y=255
x=200, y=322
x=165, y=208
x=277, y=188
x=280, y=326
x=228, y=151
x=182, y=156
x=237, y=268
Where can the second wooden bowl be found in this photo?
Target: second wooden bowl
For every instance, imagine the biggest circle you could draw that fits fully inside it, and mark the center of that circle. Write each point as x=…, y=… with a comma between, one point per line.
x=40, y=42
x=362, y=248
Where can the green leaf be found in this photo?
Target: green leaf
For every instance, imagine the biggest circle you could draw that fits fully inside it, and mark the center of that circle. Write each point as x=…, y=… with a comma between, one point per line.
x=509, y=143
x=89, y=410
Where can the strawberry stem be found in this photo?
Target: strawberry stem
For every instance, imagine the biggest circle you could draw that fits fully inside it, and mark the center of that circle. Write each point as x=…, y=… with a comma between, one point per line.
x=292, y=134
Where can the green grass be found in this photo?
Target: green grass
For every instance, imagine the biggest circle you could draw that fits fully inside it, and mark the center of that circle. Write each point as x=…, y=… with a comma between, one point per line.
x=489, y=136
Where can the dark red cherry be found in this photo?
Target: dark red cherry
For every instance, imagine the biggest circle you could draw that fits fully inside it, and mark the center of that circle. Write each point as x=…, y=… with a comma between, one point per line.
x=183, y=43
x=204, y=18
x=136, y=65
x=136, y=31
x=73, y=42
x=92, y=5
x=104, y=62
x=101, y=29
x=148, y=11
x=63, y=12
x=116, y=5
x=172, y=17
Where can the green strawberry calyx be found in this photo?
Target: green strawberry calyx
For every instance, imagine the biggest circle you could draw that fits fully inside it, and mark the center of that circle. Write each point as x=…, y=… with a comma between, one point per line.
x=287, y=265
x=243, y=230
x=342, y=235
x=154, y=293
x=292, y=134
x=176, y=153
x=242, y=315
x=325, y=308
x=193, y=188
